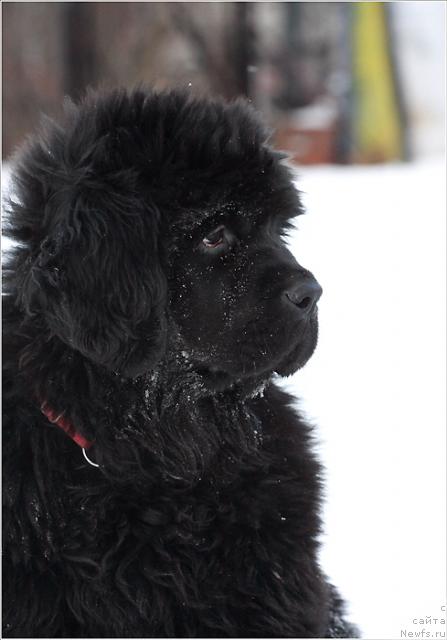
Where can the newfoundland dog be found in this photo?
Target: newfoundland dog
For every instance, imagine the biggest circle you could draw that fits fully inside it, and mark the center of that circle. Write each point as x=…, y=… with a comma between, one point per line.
x=156, y=481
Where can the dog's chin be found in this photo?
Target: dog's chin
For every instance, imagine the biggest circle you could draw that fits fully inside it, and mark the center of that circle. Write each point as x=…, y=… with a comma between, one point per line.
x=300, y=353
x=292, y=363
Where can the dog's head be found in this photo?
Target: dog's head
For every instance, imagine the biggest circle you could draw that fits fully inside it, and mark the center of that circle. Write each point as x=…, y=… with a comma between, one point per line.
x=145, y=213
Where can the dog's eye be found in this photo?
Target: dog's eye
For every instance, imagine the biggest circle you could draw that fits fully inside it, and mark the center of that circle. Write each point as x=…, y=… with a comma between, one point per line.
x=218, y=241
x=215, y=239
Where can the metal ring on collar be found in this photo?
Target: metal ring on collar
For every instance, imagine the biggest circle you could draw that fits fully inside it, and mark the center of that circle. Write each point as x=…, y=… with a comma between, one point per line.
x=88, y=459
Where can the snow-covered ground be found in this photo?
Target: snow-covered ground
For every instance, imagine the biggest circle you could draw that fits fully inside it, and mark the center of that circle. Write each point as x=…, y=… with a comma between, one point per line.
x=375, y=388
x=375, y=239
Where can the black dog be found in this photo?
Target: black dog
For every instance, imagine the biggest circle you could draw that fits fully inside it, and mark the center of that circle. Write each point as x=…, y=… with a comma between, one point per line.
x=149, y=301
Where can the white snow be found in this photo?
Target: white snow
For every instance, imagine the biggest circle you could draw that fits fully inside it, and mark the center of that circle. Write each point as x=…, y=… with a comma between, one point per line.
x=375, y=387
x=375, y=239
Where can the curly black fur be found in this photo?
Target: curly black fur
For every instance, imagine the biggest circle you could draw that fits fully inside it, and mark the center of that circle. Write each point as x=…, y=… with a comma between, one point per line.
x=203, y=516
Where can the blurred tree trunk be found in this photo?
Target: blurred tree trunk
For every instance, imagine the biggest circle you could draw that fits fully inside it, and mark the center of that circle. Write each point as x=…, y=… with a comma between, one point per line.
x=80, y=46
x=243, y=54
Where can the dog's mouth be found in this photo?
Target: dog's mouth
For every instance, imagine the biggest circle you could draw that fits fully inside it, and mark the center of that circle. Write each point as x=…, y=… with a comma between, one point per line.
x=294, y=359
x=283, y=360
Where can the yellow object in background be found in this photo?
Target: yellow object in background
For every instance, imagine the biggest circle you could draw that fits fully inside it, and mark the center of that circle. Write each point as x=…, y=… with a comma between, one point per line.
x=377, y=124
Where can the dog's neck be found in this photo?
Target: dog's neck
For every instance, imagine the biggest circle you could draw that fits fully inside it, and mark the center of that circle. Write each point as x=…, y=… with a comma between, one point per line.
x=186, y=424
x=174, y=423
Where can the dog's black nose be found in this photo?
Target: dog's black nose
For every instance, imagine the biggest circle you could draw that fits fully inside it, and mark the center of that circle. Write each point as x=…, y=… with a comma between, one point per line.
x=304, y=295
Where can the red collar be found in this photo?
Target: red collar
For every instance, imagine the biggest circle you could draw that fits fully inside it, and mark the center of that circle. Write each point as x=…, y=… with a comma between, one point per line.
x=65, y=425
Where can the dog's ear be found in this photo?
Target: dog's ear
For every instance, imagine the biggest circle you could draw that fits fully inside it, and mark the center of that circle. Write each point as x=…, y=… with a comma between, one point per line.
x=97, y=281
